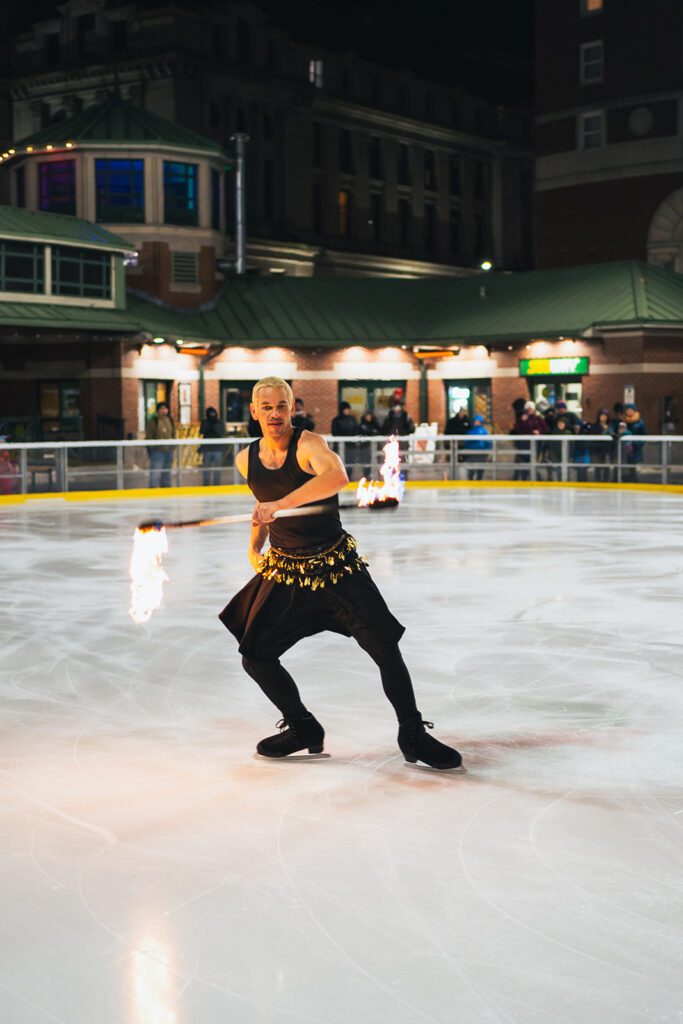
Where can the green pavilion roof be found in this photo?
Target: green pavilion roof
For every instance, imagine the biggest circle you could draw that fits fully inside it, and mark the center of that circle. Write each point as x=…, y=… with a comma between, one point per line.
x=331, y=312
x=27, y=226
x=119, y=123
x=384, y=311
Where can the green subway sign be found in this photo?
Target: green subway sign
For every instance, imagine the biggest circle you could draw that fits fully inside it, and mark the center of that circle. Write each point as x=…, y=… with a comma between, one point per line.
x=555, y=366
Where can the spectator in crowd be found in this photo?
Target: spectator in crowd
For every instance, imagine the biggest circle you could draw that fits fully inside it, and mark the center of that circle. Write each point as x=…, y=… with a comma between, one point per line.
x=602, y=454
x=618, y=416
x=527, y=422
x=560, y=430
x=458, y=424
x=636, y=428
x=160, y=427
x=535, y=422
x=368, y=427
x=9, y=473
x=580, y=452
x=622, y=436
x=398, y=421
x=474, y=450
x=212, y=454
x=301, y=419
x=346, y=425
x=571, y=418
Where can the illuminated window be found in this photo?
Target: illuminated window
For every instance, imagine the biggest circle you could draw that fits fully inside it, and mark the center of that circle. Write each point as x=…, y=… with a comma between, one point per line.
x=215, y=200
x=429, y=170
x=180, y=193
x=591, y=61
x=344, y=212
x=315, y=73
x=592, y=6
x=120, y=191
x=591, y=129
x=58, y=186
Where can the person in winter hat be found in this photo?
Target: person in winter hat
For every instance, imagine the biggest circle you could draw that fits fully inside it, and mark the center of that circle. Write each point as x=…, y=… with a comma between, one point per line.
x=474, y=449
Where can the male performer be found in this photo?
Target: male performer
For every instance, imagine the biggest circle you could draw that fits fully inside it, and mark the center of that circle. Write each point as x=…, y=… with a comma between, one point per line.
x=309, y=580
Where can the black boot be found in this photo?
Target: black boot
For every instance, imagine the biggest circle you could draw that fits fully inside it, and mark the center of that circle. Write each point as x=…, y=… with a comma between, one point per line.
x=295, y=734
x=416, y=745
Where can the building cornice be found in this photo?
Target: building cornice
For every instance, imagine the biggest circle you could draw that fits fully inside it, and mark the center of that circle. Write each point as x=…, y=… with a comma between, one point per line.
x=398, y=124
x=639, y=158
x=621, y=102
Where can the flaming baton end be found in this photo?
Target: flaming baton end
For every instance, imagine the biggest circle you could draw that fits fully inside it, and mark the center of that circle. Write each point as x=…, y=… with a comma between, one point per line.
x=374, y=495
x=151, y=524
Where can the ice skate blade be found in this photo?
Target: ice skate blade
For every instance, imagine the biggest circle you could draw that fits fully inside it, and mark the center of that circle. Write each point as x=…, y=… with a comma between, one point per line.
x=460, y=770
x=312, y=756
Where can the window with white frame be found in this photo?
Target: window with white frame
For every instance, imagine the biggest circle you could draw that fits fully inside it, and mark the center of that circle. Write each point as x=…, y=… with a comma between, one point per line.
x=591, y=129
x=315, y=73
x=592, y=7
x=591, y=62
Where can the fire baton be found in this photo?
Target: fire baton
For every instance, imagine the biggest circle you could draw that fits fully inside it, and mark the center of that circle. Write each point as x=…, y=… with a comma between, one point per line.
x=246, y=517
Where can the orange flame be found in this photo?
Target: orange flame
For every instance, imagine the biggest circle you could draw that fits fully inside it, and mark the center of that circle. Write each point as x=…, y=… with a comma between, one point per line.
x=372, y=492
x=147, y=574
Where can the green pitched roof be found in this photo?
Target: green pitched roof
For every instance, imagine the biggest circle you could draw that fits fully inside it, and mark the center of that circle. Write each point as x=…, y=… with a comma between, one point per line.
x=68, y=318
x=58, y=227
x=385, y=311
x=117, y=122
x=550, y=303
x=331, y=312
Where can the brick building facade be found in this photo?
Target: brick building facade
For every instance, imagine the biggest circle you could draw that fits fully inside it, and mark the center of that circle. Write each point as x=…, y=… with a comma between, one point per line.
x=608, y=133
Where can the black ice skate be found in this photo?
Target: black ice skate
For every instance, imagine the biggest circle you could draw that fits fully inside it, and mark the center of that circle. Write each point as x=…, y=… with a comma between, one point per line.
x=417, y=745
x=295, y=734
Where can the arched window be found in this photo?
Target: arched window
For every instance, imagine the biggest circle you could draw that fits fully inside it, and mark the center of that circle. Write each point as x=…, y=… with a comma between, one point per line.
x=665, y=236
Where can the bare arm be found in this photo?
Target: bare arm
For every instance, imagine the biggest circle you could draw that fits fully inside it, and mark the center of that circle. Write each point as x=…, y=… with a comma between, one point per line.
x=257, y=538
x=259, y=531
x=329, y=478
x=242, y=462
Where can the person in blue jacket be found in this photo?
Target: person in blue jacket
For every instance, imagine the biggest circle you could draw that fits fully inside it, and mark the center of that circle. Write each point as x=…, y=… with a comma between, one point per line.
x=474, y=449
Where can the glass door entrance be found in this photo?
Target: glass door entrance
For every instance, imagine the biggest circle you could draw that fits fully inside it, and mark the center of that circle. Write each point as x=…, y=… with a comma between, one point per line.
x=554, y=389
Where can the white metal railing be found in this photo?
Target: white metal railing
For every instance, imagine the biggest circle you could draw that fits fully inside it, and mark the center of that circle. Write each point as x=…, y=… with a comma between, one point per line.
x=42, y=466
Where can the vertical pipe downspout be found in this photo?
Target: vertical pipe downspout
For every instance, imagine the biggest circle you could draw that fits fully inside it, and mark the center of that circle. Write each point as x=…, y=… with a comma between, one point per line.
x=424, y=402
x=240, y=140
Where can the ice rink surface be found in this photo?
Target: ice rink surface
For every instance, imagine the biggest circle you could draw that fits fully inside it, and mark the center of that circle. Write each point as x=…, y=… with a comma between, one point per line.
x=155, y=872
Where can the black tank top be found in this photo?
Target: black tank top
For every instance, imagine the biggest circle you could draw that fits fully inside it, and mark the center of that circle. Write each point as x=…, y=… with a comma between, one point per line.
x=296, y=532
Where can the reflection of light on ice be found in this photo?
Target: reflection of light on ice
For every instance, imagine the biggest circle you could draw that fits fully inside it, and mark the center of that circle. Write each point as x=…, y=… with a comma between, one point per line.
x=391, y=487
x=147, y=573
x=151, y=985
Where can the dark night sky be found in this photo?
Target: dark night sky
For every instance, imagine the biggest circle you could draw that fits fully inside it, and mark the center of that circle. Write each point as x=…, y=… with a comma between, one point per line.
x=484, y=45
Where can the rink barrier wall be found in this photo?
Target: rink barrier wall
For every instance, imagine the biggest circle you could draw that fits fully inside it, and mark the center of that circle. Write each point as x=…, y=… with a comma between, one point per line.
x=105, y=470
x=149, y=493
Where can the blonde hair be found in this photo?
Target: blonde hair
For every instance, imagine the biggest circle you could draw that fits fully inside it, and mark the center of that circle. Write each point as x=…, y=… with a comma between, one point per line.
x=272, y=382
